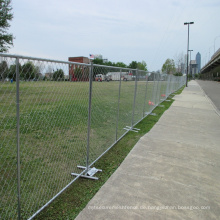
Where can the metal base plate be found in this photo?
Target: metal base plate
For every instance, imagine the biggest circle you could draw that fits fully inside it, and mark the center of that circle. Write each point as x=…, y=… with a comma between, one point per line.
x=127, y=128
x=89, y=174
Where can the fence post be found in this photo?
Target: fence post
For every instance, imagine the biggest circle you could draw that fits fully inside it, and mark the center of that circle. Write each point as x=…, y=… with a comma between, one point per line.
x=119, y=94
x=89, y=116
x=145, y=97
x=135, y=91
x=18, y=138
x=168, y=85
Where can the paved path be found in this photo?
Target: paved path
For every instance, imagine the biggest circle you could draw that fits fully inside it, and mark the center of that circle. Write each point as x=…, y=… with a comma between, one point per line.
x=172, y=169
x=212, y=90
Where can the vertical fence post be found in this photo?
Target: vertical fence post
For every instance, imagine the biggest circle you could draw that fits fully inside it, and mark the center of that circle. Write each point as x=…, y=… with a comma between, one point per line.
x=18, y=138
x=135, y=91
x=119, y=94
x=168, y=86
x=145, y=97
x=89, y=117
x=159, y=90
x=153, y=91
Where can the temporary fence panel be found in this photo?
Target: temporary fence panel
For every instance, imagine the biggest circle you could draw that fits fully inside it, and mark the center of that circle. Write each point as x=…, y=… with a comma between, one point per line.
x=56, y=116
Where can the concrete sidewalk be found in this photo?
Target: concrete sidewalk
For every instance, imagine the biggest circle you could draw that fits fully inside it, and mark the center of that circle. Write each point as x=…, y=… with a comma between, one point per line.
x=173, y=172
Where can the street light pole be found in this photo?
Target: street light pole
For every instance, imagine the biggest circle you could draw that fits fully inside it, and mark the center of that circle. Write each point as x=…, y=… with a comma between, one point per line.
x=187, y=63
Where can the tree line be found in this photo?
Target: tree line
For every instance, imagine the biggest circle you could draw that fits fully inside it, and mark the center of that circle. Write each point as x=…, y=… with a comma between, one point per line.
x=28, y=71
x=133, y=65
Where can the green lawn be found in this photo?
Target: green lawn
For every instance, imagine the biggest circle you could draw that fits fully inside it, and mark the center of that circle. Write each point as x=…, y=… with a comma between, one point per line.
x=53, y=133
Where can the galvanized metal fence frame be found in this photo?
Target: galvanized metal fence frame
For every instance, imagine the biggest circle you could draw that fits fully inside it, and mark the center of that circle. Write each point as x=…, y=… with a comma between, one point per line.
x=159, y=92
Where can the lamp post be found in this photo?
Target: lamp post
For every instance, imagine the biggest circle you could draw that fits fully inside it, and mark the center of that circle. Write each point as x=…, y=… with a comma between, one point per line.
x=190, y=64
x=187, y=63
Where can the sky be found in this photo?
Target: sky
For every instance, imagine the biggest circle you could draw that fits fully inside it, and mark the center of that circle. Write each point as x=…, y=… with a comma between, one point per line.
x=119, y=30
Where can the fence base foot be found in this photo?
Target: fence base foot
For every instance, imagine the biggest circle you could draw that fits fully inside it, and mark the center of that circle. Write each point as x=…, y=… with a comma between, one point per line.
x=154, y=114
x=89, y=174
x=127, y=128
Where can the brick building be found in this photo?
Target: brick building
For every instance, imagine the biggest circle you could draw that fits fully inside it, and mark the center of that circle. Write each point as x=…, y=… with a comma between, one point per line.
x=78, y=72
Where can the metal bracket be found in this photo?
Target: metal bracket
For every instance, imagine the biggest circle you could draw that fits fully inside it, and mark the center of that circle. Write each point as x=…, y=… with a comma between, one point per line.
x=167, y=100
x=89, y=174
x=154, y=114
x=127, y=128
x=162, y=106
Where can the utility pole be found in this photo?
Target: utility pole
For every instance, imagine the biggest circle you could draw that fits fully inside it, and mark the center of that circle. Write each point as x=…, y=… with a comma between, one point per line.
x=187, y=23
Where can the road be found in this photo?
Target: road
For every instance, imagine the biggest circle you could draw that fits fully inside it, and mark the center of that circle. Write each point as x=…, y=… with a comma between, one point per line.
x=212, y=90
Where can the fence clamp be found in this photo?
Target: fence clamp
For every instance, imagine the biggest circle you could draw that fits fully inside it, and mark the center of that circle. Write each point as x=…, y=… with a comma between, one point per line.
x=89, y=174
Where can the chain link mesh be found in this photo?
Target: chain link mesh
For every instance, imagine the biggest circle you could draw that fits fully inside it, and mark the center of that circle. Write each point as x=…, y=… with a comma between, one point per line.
x=53, y=113
x=8, y=149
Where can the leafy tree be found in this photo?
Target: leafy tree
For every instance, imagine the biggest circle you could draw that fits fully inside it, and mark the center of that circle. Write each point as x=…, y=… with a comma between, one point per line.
x=12, y=71
x=121, y=64
x=58, y=75
x=178, y=74
x=29, y=71
x=78, y=73
x=142, y=65
x=6, y=39
x=3, y=70
x=98, y=61
x=138, y=65
x=169, y=66
x=133, y=65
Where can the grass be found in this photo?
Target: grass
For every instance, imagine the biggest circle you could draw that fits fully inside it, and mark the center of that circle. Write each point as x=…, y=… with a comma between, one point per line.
x=53, y=137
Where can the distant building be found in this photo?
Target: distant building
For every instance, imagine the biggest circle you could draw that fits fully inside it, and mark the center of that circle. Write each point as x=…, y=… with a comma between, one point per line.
x=193, y=67
x=198, y=62
x=79, y=59
x=78, y=72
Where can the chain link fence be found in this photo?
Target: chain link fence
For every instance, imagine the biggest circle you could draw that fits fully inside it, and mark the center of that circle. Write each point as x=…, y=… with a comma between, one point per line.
x=57, y=115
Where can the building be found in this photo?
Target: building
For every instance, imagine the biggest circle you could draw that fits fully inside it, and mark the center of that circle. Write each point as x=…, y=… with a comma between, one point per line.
x=198, y=61
x=79, y=59
x=193, y=68
x=78, y=72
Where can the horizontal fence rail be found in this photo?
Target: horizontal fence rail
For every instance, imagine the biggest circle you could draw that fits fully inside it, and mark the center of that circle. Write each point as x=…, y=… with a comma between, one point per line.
x=56, y=115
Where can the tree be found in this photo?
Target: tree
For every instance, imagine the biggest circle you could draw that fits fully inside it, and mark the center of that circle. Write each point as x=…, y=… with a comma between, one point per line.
x=6, y=39
x=58, y=75
x=12, y=71
x=133, y=65
x=138, y=65
x=3, y=70
x=179, y=61
x=178, y=74
x=29, y=71
x=98, y=61
x=78, y=73
x=169, y=66
x=121, y=64
x=142, y=65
